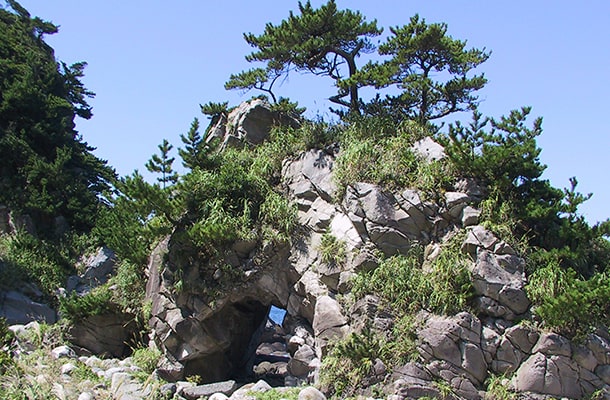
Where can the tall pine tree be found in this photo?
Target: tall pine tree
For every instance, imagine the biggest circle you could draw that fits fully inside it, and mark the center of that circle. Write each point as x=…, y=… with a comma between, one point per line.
x=46, y=169
x=162, y=164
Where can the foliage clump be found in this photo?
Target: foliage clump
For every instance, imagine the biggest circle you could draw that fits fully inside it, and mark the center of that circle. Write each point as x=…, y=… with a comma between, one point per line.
x=47, y=170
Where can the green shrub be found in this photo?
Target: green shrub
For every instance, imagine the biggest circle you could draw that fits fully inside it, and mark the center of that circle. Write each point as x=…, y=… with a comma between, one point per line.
x=146, y=358
x=400, y=280
x=279, y=213
x=567, y=304
x=333, y=251
x=350, y=361
x=130, y=286
x=96, y=302
x=24, y=258
x=277, y=394
x=497, y=390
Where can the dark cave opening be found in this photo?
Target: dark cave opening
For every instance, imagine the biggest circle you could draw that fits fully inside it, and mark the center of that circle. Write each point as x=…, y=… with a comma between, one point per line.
x=252, y=345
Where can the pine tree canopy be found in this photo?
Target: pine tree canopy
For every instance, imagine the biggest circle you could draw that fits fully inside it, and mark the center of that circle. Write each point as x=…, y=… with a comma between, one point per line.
x=318, y=41
x=46, y=170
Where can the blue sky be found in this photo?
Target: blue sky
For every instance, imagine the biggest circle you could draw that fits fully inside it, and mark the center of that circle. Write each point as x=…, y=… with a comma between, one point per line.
x=152, y=63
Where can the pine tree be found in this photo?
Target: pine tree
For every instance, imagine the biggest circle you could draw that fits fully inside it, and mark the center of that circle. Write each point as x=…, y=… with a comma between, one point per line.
x=318, y=41
x=193, y=144
x=162, y=164
x=429, y=67
x=46, y=169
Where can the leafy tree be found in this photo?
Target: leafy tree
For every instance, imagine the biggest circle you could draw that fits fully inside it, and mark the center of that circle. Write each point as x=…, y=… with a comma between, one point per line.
x=47, y=169
x=318, y=41
x=162, y=164
x=419, y=52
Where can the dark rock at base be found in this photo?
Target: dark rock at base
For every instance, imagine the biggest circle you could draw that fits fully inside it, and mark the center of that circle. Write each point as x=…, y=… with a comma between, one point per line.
x=227, y=388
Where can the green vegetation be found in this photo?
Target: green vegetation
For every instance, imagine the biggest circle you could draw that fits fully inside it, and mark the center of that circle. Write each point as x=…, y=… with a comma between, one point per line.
x=350, y=361
x=317, y=41
x=146, y=359
x=50, y=174
x=277, y=394
x=333, y=251
x=25, y=258
x=568, y=304
x=402, y=282
x=498, y=390
x=47, y=170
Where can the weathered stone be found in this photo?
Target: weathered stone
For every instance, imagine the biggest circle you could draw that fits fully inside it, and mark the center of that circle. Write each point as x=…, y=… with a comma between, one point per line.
x=227, y=388
x=600, y=346
x=342, y=228
x=555, y=376
x=327, y=315
x=99, y=266
x=522, y=337
x=17, y=308
x=328, y=323
x=170, y=370
x=67, y=368
x=603, y=372
x=108, y=341
x=455, y=203
x=299, y=364
x=63, y=352
x=389, y=226
x=318, y=216
x=261, y=386
x=456, y=341
x=584, y=357
x=428, y=149
x=493, y=308
x=250, y=122
x=479, y=237
x=470, y=216
x=86, y=396
x=552, y=344
x=311, y=393
x=504, y=285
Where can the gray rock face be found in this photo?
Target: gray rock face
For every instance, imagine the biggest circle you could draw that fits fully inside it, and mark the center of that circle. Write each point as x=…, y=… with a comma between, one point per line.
x=328, y=323
x=17, y=308
x=98, y=268
x=250, y=123
x=501, y=280
x=555, y=375
x=390, y=223
x=201, y=391
x=453, y=344
x=224, y=336
x=111, y=340
x=428, y=149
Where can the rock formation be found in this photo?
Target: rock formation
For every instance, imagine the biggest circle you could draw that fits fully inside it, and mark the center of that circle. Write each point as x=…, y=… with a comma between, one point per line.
x=219, y=340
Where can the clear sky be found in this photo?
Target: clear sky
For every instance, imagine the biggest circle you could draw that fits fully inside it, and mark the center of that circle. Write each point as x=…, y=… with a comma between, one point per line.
x=151, y=63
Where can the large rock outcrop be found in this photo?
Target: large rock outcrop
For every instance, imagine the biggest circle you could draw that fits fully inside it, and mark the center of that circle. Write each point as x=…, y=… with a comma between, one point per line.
x=220, y=336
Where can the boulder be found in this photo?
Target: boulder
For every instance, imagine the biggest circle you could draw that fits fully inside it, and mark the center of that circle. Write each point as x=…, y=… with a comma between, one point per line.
x=503, y=283
x=311, y=393
x=377, y=215
x=310, y=176
x=248, y=123
x=456, y=342
x=111, y=340
x=554, y=375
x=328, y=323
x=201, y=391
x=428, y=149
x=17, y=308
x=98, y=268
